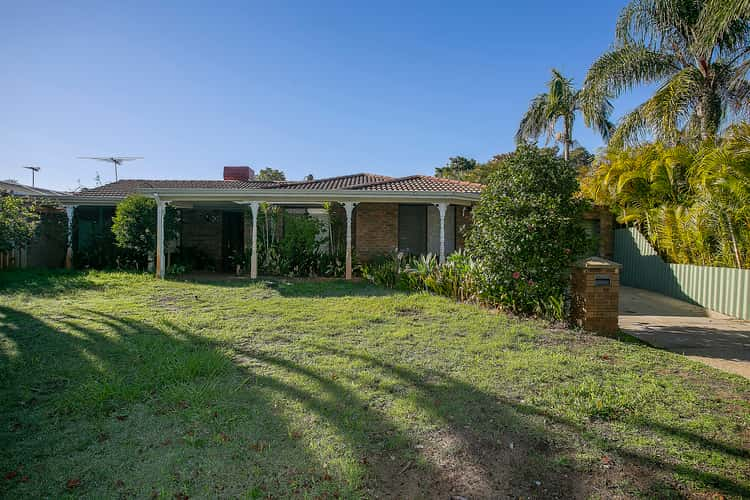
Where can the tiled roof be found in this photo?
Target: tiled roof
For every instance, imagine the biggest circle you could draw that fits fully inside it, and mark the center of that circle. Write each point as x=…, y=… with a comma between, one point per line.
x=359, y=182
x=424, y=183
x=341, y=182
x=128, y=186
x=24, y=190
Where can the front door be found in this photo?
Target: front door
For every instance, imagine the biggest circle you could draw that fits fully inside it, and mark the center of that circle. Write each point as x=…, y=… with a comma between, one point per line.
x=232, y=245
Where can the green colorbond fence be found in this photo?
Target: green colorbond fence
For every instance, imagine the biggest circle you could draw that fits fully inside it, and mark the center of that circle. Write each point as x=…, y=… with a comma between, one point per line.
x=720, y=289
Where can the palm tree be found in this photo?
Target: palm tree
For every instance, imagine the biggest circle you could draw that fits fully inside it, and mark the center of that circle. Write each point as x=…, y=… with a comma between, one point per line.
x=559, y=105
x=697, y=51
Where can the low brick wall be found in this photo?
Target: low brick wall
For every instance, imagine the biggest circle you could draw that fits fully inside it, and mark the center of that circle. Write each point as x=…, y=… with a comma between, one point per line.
x=376, y=229
x=595, y=287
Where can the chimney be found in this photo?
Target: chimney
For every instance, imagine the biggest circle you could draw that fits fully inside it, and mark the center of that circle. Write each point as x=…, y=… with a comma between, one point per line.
x=238, y=174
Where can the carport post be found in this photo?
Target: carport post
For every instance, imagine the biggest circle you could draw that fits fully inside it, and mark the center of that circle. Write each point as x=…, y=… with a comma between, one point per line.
x=160, y=208
x=349, y=208
x=69, y=212
x=254, y=206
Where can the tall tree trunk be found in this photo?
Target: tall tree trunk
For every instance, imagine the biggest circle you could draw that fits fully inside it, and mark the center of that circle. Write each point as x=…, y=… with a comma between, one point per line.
x=566, y=140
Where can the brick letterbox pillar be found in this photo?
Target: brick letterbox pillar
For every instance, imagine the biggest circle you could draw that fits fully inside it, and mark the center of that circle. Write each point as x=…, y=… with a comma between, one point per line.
x=595, y=287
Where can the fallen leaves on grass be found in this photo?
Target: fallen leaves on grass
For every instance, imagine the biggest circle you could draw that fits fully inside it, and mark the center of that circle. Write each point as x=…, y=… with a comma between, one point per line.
x=73, y=483
x=10, y=475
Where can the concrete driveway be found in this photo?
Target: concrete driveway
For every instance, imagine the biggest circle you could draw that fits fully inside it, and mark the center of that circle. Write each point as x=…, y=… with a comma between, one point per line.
x=706, y=336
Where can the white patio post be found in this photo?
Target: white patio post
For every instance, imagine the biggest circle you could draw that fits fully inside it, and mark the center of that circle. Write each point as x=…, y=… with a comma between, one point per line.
x=254, y=206
x=70, y=212
x=160, y=262
x=349, y=208
x=442, y=208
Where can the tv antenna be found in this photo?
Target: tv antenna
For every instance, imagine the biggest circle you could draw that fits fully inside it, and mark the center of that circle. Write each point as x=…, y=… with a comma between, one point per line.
x=115, y=160
x=34, y=170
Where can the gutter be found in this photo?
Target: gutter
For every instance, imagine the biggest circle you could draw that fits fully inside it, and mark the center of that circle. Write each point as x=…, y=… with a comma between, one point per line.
x=285, y=196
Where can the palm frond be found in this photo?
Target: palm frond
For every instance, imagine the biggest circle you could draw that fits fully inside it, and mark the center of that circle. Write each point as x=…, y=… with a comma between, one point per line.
x=535, y=121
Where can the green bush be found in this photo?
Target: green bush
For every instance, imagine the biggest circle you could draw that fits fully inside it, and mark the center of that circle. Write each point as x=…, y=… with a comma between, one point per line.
x=527, y=230
x=134, y=227
x=456, y=278
x=18, y=222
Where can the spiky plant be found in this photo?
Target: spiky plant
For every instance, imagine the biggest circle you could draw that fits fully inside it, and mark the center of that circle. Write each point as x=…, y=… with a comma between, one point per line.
x=697, y=51
x=553, y=114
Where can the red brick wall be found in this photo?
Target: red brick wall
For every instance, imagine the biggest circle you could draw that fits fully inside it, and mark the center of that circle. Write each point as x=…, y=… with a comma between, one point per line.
x=606, y=235
x=595, y=308
x=201, y=229
x=375, y=229
x=463, y=223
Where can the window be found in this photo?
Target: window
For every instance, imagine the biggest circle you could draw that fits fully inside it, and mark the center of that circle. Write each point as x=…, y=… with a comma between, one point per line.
x=412, y=229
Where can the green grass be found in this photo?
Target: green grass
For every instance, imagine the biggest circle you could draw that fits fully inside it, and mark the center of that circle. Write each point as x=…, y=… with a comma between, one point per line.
x=117, y=384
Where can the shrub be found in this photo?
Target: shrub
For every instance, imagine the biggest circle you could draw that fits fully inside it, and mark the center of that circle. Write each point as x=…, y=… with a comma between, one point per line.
x=527, y=230
x=455, y=278
x=384, y=271
x=18, y=221
x=134, y=227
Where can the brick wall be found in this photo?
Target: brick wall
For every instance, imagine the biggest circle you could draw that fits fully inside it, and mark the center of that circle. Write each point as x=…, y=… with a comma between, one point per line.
x=605, y=219
x=201, y=229
x=595, y=308
x=376, y=229
x=463, y=223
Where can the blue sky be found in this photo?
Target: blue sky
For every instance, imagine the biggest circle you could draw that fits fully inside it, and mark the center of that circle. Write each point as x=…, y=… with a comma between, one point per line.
x=314, y=87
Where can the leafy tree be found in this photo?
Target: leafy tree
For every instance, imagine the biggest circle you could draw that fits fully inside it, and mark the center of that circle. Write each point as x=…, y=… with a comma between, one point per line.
x=697, y=53
x=470, y=170
x=134, y=227
x=271, y=174
x=693, y=203
x=527, y=230
x=458, y=168
x=309, y=177
x=18, y=221
x=557, y=108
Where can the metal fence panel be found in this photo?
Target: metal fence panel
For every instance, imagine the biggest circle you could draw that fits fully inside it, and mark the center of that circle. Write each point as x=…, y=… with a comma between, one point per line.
x=720, y=289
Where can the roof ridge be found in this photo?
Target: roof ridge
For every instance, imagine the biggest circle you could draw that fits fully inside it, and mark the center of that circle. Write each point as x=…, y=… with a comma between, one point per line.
x=387, y=181
x=335, y=177
x=468, y=183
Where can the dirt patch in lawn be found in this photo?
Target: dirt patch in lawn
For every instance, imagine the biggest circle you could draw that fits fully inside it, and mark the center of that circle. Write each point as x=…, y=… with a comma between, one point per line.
x=452, y=464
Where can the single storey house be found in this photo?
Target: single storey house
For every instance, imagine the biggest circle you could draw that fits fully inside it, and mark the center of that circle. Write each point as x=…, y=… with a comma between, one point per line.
x=417, y=214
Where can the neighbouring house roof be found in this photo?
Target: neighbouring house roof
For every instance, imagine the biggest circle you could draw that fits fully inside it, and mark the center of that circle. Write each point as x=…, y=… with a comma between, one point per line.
x=358, y=185
x=24, y=190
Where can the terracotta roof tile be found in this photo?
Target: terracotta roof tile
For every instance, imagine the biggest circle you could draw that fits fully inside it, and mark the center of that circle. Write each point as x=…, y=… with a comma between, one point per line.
x=423, y=183
x=330, y=183
x=360, y=182
x=125, y=187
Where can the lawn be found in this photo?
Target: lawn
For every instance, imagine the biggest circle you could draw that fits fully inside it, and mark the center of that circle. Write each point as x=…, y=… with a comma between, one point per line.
x=119, y=385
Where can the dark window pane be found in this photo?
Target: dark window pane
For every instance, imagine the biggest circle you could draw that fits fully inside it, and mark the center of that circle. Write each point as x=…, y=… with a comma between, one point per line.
x=412, y=229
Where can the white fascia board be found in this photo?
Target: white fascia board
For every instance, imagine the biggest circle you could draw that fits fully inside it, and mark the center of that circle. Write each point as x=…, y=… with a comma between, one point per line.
x=312, y=196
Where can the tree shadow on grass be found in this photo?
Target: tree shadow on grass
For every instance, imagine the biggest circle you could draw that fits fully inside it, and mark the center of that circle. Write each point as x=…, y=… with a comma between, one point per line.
x=130, y=408
x=83, y=369
x=476, y=415
x=44, y=282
